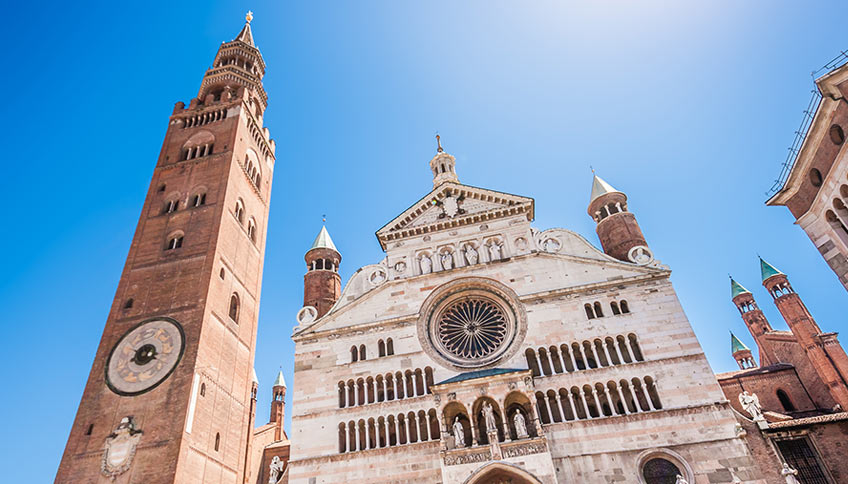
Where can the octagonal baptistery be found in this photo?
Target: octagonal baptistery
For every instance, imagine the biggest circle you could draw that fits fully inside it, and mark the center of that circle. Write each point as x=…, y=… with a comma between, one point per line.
x=484, y=350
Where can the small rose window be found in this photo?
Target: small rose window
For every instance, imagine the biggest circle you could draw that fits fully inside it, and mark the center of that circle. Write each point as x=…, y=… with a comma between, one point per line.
x=472, y=328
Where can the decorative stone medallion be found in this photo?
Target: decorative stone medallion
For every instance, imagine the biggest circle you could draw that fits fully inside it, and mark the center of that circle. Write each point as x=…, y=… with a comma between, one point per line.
x=640, y=255
x=120, y=448
x=306, y=315
x=471, y=323
x=145, y=356
x=552, y=245
x=400, y=267
x=377, y=277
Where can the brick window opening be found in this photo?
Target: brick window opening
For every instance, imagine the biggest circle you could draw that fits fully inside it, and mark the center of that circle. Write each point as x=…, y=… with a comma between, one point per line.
x=217, y=441
x=198, y=200
x=799, y=454
x=202, y=389
x=837, y=135
x=174, y=242
x=129, y=303
x=89, y=429
x=170, y=206
x=222, y=273
x=234, y=307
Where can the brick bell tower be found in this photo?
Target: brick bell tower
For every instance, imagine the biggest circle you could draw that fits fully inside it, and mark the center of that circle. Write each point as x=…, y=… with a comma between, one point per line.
x=322, y=284
x=169, y=396
x=754, y=319
x=617, y=228
x=278, y=405
x=822, y=349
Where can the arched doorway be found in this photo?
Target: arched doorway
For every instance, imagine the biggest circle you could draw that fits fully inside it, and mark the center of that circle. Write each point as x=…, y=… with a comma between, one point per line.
x=500, y=473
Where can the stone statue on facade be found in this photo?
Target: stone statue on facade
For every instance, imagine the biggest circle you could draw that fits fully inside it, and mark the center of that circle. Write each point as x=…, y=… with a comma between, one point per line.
x=471, y=254
x=520, y=425
x=680, y=480
x=489, y=415
x=426, y=264
x=458, y=433
x=447, y=260
x=276, y=470
x=751, y=403
x=494, y=251
x=789, y=474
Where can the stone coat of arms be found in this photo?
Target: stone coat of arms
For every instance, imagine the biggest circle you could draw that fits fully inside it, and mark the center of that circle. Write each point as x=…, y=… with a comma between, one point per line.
x=120, y=448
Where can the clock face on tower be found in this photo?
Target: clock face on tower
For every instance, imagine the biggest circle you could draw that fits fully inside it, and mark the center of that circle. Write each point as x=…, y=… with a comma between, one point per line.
x=145, y=356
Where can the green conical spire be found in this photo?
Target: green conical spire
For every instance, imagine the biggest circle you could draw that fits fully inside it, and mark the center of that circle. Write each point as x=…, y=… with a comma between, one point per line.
x=280, y=381
x=736, y=345
x=736, y=289
x=767, y=270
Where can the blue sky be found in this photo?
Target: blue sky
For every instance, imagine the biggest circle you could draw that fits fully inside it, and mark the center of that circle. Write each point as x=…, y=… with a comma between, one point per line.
x=687, y=107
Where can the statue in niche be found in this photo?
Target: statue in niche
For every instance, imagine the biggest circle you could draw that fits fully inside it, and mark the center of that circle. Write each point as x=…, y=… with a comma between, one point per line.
x=458, y=433
x=426, y=264
x=447, y=260
x=276, y=470
x=489, y=414
x=520, y=425
x=751, y=403
x=789, y=474
x=680, y=480
x=494, y=250
x=471, y=254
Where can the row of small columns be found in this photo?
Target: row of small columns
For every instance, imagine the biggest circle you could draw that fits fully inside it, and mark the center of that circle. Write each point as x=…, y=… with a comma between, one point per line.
x=314, y=266
x=354, y=446
x=206, y=118
x=199, y=151
x=605, y=211
x=395, y=385
x=598, y=406
x=583, y=354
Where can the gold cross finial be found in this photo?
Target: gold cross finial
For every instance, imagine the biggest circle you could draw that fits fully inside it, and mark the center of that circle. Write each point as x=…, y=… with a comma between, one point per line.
x=249, y=16
x=439, y=142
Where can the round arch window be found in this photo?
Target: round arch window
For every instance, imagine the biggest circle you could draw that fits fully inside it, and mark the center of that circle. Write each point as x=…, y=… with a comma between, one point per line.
x=815, y=177
x=837, y=135
x=471, y=322
x=660, y=471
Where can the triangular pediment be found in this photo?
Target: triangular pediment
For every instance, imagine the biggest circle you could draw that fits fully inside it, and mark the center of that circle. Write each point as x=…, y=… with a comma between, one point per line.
x=453, y=205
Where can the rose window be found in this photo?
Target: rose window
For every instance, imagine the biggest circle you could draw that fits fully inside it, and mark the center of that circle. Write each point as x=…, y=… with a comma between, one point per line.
x=472, y=328
x=471, y=322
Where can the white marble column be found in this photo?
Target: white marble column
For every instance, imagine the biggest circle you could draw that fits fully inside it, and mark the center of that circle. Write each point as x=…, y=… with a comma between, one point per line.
x=414, y=384
x=358, y=440
x=561, y=361
x=595, y=352
x=355, y=393
x=573, y=360
x=394, y=384
x=548, y=407
x=618, y=351
x=583, y=353
x=606, y=353
x=623, y=400
x=561, y=409
x=630, y=349
x=585, y=405
x=597, y=402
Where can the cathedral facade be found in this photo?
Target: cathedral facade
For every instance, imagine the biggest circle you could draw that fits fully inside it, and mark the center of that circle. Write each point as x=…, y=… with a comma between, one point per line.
x=482, y=349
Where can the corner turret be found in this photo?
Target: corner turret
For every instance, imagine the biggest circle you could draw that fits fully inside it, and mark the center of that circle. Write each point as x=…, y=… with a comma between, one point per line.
x=617, y=228
x=741, y=353
x=322, y=284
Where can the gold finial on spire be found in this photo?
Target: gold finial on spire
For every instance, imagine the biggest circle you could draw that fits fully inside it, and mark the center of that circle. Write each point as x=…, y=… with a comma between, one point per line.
x=249, y=16
x=324, y=218
x=439, y=142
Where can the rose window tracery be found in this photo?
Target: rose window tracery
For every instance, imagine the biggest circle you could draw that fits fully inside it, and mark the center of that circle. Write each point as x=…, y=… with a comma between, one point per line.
x=471, y=322
x=472, y=328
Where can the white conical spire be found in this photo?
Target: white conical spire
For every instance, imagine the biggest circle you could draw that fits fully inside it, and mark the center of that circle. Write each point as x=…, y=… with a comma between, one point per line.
x=246, y=35
x=600, y=187
x=323, y=241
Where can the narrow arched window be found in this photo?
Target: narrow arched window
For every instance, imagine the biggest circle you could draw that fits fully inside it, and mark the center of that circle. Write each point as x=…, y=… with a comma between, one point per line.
x=217, y=441
x=362, y=352
x=614, y=307
x=239, y=211
x=624, y=307
x=251, y=230
x=785, y=401
x=198, y=199
x=589, y=312
x=381, y=348
x=390, y=347
x=202, y=389
x=354, y=354
x=174, y=242
x=599, y=312
x=170, y=206
x=234, y=307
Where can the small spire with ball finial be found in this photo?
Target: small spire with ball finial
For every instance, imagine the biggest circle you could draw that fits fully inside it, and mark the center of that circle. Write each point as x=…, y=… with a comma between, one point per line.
x=249, y=16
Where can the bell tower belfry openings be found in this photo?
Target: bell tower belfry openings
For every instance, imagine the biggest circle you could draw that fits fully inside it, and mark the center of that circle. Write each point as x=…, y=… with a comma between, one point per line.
x=169, y=395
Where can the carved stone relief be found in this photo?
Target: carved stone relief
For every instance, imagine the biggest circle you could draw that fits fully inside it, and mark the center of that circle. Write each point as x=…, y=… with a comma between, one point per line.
x=119, y=448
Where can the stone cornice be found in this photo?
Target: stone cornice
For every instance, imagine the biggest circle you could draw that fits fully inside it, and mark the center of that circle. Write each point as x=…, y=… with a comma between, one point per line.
x=408, y=319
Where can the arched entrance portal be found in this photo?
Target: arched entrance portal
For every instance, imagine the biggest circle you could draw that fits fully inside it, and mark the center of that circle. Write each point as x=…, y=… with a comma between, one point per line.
x=502, y=473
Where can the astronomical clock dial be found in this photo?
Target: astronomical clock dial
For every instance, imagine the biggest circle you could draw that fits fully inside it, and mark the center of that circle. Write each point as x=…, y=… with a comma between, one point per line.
x=145, y=356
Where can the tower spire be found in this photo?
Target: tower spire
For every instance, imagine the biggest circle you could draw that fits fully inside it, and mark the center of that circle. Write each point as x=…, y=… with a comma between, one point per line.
x=443, y=166
x=322, y=284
